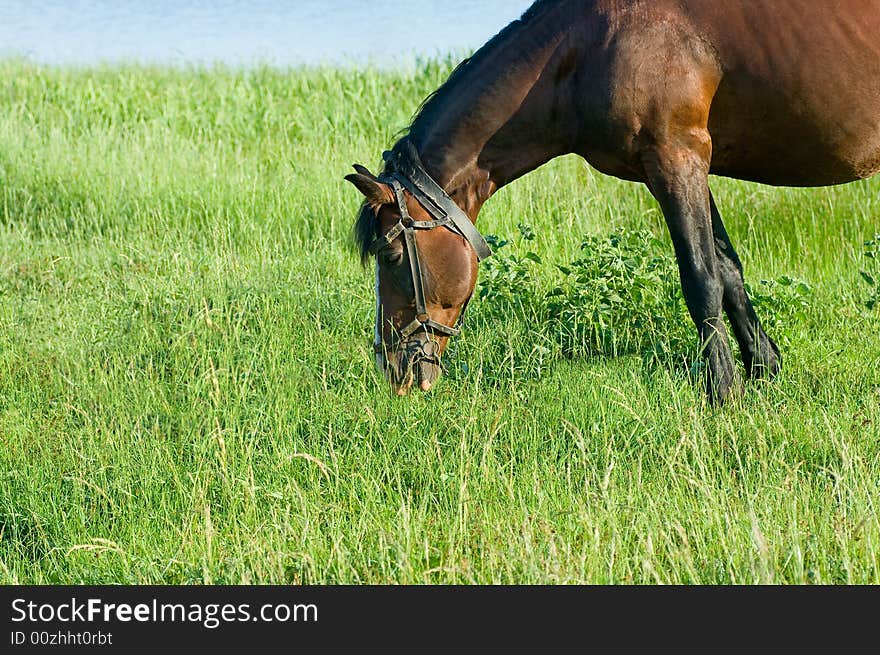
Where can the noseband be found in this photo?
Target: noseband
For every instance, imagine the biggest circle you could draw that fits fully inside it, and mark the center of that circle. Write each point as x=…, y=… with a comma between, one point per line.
x=404, y=171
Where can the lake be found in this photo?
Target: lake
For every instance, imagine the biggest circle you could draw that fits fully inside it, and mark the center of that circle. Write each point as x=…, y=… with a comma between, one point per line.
x=306, y=32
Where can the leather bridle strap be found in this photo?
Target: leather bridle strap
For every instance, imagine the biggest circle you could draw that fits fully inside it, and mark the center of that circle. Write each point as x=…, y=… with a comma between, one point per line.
x=404, y=171
x=407, y=226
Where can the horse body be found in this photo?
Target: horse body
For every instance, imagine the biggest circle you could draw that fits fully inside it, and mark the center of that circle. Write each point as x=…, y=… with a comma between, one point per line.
x=791, y=88
x=663, y=92
x=802, y=87
x=790, y=91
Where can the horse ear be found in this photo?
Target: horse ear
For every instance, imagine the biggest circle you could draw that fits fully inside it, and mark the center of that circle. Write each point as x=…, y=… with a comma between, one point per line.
x=374, y=191
x=363, y=170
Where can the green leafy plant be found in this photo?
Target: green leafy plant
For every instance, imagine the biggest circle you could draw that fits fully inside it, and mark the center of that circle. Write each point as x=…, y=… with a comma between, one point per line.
x=778, y=301
x=508, y=278
x=621, y=295
x=871, y=274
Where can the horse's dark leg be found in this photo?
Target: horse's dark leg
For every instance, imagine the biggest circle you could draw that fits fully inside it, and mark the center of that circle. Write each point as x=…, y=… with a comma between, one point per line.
x=760, y=354
x=677, y=175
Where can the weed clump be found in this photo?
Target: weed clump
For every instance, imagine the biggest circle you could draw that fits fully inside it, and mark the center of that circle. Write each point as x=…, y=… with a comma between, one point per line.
x=620, y=296
x=871, y=274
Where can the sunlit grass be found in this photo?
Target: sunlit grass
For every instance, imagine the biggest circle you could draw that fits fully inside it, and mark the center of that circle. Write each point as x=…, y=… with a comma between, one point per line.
x=187, y=394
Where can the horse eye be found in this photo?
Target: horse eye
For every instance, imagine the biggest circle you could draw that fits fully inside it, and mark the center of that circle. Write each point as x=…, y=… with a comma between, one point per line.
x=392, y=257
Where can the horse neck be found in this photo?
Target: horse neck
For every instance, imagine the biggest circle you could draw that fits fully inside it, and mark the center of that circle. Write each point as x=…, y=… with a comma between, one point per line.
x=502, y=118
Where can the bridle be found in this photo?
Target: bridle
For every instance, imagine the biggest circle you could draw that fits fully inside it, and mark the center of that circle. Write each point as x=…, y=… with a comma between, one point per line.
x=404, y=171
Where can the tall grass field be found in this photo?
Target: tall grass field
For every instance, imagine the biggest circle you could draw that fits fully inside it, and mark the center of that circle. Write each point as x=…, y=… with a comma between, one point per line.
x=187, y=392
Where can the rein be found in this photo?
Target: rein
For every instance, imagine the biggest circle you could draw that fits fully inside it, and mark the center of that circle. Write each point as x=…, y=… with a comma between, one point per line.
x=404, y=171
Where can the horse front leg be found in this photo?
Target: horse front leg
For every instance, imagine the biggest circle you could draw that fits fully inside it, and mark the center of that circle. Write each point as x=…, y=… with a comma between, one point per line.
x=677, y=175
x=760, y=354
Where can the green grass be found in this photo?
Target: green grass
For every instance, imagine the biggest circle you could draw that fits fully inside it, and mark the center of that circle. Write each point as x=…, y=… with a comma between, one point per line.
x=187, y=393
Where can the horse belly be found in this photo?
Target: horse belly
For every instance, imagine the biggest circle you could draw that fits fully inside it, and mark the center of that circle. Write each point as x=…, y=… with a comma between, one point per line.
x=799, y=99
x=775, y=142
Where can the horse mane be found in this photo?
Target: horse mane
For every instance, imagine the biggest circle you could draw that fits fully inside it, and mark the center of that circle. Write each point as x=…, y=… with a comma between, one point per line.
x=365, y=232
x=434, y=104
x=436, y=101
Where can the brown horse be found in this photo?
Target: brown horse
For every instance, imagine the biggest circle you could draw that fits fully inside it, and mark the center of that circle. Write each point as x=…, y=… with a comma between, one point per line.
x=662, y=92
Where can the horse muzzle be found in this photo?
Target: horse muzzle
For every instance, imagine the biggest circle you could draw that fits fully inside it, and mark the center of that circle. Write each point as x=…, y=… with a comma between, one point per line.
x=414, y=363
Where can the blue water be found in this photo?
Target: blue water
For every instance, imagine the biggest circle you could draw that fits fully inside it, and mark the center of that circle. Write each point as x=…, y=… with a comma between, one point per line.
x=387, y=33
